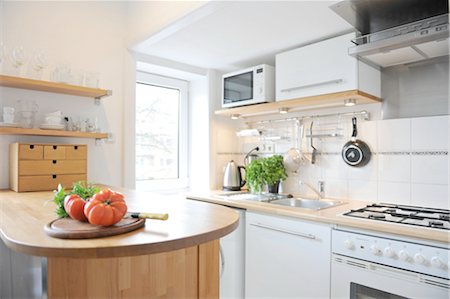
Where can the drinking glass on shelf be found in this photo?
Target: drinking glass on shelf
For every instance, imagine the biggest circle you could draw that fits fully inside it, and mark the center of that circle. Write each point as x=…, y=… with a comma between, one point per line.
x=18, y=59
x=2, y=57
x=38, y=63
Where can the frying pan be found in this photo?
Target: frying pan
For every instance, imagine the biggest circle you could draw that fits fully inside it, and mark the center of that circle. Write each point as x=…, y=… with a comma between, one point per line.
x=355, y=152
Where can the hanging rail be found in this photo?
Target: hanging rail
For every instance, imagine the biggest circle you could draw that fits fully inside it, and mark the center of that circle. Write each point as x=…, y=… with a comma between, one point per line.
x=363, y=113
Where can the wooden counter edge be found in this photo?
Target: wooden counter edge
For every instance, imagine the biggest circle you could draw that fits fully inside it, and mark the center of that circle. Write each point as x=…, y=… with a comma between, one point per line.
x=122, y=251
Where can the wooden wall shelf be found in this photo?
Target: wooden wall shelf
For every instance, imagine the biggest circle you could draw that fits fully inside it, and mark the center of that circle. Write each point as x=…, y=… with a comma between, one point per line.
x=295, y=105
x=47, y=86
x=54, y=133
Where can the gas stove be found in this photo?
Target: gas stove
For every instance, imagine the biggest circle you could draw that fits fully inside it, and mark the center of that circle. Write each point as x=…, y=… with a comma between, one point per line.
x=402, y=214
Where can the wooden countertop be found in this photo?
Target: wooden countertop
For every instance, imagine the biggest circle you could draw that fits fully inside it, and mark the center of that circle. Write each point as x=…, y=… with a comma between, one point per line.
x=24, y=215
x=330, y=215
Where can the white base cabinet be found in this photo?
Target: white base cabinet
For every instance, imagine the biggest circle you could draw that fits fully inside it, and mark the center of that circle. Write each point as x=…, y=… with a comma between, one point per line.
x=286, y=258
x=232, y=251
x=322, y=68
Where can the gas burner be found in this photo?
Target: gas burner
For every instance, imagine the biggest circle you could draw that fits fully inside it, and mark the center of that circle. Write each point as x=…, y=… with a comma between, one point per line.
x=444, y=217
x=407, y=215
x=377, y=216
x=435, y=224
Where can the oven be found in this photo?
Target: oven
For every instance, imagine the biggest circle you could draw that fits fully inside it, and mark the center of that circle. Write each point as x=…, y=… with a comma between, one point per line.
x=368, y=265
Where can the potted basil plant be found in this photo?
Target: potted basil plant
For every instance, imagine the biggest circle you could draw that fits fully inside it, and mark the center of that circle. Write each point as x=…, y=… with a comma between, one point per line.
x=254, y=175
x=274, y=172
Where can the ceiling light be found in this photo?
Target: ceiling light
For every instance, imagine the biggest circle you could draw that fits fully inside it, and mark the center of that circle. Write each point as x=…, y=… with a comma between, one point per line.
x=349, y=102
x=283, y=110
x=235, y=116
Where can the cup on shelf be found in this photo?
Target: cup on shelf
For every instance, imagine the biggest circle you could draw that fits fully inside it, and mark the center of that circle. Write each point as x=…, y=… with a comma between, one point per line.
x=8, y=115
x=26, y=111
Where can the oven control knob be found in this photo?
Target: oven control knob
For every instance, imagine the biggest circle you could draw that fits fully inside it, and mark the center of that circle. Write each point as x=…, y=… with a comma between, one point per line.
x=375, y=250
x=389, y=252
x=349, y=244
x=437, y=262
x=420, y=259
x=404, y=255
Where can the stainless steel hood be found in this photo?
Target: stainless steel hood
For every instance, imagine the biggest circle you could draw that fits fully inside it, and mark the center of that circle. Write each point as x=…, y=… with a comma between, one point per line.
x=395, y=32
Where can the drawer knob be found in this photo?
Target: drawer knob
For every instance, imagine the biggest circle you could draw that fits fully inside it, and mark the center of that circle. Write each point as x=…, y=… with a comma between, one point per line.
x=54, y=161
x=55, y=147
x=31, y=146
x=54, y=176
x=75, y=147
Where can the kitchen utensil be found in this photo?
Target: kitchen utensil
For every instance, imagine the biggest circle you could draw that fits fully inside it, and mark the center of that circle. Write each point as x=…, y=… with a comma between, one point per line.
x=232, y=178
x=147, y=215
x=251, y=156
x=314, y=150
x=356, y=152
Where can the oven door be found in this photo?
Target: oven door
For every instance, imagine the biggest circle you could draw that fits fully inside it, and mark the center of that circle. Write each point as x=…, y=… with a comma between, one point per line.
x=353, y=278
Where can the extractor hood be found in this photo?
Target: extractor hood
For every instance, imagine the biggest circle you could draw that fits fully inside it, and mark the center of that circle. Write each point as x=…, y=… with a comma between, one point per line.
x=392, y=32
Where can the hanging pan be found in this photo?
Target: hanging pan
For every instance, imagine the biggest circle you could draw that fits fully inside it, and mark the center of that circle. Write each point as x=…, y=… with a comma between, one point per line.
x=356, y=152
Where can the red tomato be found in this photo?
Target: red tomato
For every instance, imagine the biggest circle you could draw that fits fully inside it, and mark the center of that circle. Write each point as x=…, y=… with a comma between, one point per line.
x=74, y=206
x=105, y=208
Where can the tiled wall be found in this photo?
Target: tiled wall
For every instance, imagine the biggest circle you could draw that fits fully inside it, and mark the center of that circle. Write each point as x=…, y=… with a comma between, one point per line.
x=409, y=164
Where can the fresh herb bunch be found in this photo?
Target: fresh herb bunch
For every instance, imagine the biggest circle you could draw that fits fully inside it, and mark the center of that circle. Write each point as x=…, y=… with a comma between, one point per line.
x=273, y=169
x=254, y=175
x=84, y=189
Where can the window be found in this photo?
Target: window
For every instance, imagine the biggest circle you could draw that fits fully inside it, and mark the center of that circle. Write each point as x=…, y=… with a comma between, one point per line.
x=161, y=133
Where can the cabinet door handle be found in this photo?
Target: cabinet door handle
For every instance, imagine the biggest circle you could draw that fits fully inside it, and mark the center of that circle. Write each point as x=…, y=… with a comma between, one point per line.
x=336, y=81
x=222, y=261
x=308, y=236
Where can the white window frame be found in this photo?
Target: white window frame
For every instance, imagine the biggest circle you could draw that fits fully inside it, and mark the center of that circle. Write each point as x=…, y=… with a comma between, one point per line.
x=182, y=182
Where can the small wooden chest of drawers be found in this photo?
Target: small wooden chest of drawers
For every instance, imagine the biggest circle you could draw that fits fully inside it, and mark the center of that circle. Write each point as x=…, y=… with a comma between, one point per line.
x=41, y=167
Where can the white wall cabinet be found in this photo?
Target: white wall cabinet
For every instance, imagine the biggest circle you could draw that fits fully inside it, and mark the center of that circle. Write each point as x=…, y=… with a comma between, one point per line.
x=286, y=258
x=322, y=68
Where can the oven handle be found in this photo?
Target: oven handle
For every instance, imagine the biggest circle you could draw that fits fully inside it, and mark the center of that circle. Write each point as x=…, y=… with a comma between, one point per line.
x=308, y=236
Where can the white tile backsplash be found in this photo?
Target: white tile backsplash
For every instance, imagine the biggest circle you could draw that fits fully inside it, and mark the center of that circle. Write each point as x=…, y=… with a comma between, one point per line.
x=368, y=172
x=394, y=168
x=430, y=133
x=430, y=195
x=363, y=190
x=333, y=167
x=394, y=135
x=428, y=169
x=409, y=164
x=399, y=193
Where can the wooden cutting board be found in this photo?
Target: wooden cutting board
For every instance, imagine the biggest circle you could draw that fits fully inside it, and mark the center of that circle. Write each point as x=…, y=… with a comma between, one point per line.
x=67, y=228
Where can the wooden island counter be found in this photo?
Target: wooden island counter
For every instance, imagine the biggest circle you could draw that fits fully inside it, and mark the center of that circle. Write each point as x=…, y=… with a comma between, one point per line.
x=177, y=258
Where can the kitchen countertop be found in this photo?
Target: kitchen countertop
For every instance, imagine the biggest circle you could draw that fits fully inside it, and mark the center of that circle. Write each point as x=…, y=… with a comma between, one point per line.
x=24, y=215
x=331, y=215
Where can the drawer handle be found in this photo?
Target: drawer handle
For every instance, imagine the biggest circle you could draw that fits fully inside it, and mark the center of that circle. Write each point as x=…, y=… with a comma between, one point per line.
x=54, y=176
x=308, y=236
x=337, y=81
x=54, y=161
x=55, y=147
x=31, y=146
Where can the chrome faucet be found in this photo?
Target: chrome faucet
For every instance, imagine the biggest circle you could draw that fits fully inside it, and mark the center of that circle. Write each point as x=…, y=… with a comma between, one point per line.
x=319, y=192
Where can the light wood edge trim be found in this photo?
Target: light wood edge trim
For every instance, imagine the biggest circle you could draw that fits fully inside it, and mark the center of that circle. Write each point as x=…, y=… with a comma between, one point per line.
x=47, y=86
x=57, y=133
x=121, y=250
x=14, y=166
x=299, y=102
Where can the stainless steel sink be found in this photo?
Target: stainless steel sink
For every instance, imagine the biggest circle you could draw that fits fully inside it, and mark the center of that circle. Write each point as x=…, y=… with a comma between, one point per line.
x=312, y=204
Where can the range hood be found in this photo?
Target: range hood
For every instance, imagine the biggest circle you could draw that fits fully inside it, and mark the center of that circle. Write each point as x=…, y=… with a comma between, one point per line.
x=392, y=32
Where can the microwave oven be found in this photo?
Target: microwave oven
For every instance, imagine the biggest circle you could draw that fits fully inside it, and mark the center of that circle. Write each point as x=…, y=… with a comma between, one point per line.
x=249, y=86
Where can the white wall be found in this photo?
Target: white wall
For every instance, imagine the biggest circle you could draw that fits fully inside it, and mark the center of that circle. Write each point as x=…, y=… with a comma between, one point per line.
x=91, y=36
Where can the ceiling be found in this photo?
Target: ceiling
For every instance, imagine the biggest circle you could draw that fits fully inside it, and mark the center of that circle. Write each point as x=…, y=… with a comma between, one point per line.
x=228, y=35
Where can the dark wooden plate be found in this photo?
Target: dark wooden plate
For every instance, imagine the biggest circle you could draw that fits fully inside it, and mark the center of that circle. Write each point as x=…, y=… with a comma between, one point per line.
x=67, y=228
